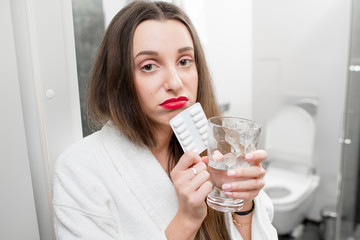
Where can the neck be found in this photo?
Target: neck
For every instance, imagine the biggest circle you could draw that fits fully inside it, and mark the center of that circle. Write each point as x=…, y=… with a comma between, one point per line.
x=161, y=151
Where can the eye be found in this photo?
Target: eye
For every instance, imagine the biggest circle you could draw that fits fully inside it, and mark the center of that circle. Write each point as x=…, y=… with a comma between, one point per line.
x=185, y=62
x=148, y=68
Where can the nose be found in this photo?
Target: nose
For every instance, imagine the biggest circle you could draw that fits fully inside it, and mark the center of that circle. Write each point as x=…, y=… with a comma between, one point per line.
x=173, y=80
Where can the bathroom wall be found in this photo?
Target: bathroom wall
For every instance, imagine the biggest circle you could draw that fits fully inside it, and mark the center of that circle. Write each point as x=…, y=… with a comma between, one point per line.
x=18, y=219
x=229, y=52
x=301, y=50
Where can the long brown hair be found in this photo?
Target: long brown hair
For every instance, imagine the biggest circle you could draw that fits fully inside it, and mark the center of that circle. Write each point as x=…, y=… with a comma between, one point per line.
x=112, y=93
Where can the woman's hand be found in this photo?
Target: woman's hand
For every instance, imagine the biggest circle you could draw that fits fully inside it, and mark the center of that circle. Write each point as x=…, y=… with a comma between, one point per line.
x=190, y=178
x=192, y=186
x=246, y=183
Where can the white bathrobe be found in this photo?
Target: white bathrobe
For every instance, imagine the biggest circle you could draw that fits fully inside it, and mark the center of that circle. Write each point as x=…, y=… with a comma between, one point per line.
x=106, y=187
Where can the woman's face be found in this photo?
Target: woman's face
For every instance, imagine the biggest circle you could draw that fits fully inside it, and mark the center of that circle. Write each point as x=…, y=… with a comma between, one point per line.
x=166, y=77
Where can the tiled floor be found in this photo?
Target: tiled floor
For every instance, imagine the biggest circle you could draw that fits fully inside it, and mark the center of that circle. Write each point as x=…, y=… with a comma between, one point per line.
x=311, y=232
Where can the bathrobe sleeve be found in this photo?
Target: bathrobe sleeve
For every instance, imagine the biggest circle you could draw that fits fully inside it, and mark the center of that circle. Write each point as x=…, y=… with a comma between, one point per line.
x=91, y=200
x=261, y=226
x=82, y=206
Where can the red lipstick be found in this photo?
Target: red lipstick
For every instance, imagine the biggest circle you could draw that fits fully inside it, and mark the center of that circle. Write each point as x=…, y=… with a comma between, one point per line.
x=174, y=103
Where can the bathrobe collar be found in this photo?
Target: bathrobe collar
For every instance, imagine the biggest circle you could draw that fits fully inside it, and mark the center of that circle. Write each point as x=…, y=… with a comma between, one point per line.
x=143, y=174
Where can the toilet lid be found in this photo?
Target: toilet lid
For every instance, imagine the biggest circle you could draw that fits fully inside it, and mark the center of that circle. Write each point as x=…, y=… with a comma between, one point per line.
x=289, y=136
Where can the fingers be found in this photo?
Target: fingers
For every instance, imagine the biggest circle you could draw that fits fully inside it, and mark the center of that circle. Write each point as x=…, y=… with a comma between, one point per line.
x=246, y=196
x=190, y=178
x=199, y=179
x=250, y=172
x=190, y=172
x=198, y=188
x=246, y=189
x=188, y=159
x=245, y=185
x=255, y=171
x=205, y=159
x=204, y=189
x=257, y=157
x=247, y=182
x=196, y=170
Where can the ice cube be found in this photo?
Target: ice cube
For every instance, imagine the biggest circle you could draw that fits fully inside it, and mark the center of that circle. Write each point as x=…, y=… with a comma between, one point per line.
x=229, y=159
x=218, y=156
x=232, y=137
x=237, y=149
x=243, y=164
x=249, y=148
x=240, y=163
x=227, y=123
x=218, y=165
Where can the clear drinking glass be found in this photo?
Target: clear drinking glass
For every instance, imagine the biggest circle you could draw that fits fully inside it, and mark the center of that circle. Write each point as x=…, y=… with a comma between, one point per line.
x=230, y=139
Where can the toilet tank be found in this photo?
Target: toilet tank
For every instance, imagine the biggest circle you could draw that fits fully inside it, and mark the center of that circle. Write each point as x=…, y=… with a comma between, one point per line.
x=290, y=135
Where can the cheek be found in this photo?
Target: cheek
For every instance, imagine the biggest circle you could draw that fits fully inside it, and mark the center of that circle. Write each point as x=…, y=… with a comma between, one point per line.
x=191, y=79
x=195, y=84
x=142, y=89
x=148, y=85
x=148, y=90
x=143, y=94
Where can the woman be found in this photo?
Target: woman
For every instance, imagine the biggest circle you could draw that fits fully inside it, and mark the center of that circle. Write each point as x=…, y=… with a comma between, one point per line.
x=131, y=180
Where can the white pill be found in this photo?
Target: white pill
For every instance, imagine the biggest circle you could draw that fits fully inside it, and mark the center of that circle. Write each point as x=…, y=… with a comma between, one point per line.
x=195, y=110
x=203, y=129
x=181, y=128
x=204, y=136
x=177, y=121
x=187, y=141
x=201, y=123
x=195, y=150
x=190, y=147
x=198, y=117
x=184, y=135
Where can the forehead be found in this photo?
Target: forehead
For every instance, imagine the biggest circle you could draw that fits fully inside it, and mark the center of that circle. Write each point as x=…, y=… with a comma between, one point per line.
x=158, y=35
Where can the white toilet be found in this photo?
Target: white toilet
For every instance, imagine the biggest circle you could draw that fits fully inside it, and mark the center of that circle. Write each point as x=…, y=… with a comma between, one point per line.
x=290, y=180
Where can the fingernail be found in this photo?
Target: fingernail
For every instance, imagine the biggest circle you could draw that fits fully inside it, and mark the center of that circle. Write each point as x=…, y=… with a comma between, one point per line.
x=231, y=173
x=249, y=156
x=226, y=186
x=228, y=193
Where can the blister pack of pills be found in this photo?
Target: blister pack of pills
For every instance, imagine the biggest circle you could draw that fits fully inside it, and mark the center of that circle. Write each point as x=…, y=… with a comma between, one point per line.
x=191, y=129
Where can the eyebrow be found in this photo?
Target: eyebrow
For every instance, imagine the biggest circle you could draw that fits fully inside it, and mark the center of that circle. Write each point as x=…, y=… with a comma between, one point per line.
x=146, y=53
x=184, y=49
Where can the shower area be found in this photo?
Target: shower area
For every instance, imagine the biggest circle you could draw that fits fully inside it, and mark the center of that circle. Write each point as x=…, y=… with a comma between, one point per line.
x=348, y=208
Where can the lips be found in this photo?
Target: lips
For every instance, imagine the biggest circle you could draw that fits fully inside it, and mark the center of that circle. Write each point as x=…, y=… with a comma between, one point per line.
x=174, y=103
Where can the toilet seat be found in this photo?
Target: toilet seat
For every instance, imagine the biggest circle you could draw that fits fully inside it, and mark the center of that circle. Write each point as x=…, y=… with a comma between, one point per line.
x=299, y=185
x=289, y=141
x=290, y=179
